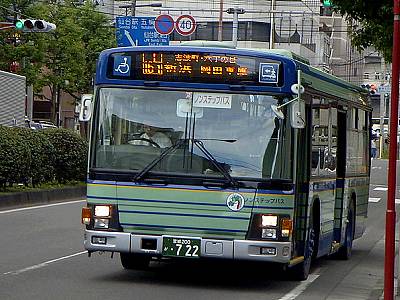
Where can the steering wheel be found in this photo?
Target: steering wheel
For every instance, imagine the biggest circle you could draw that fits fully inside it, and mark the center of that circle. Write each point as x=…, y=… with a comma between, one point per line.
x=153, y=143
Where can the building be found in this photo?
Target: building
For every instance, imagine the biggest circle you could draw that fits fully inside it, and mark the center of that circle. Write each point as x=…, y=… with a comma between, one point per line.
x=305, y=27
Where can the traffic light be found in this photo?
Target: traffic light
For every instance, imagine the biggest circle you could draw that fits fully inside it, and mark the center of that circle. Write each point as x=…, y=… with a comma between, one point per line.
x=371, y=87
x=29, y=25
x=326, y=8
x=327, y=3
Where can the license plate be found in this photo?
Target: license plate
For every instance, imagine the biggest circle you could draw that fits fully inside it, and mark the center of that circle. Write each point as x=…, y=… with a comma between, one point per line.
x=181, y=247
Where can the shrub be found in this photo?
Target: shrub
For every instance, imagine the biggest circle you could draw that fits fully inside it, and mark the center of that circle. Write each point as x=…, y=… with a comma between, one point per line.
x=15, y=157
x=70, y=154
x=41, y=168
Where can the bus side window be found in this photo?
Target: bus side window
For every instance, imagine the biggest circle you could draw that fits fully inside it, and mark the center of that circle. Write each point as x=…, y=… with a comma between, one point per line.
x=316, y=140
x=314, y=160
x=321, y=158
x=330, y=158
x=324, y=140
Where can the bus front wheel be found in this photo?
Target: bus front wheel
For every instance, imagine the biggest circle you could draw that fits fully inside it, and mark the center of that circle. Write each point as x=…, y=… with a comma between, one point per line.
x=132, y=261
x=301, y=271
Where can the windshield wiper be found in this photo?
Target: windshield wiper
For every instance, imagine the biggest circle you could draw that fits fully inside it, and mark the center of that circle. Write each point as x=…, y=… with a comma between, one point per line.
x=218, y=140
x=211, y=158
x=151, y=165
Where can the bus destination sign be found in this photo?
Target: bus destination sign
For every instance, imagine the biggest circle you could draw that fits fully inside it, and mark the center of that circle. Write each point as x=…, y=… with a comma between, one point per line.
x=192, y=66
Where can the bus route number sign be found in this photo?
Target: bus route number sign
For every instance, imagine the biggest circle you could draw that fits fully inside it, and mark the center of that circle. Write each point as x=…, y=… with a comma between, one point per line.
x=181, y=247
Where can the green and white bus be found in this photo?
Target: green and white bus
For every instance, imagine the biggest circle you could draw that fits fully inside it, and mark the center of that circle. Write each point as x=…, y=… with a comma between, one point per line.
x=222, y=153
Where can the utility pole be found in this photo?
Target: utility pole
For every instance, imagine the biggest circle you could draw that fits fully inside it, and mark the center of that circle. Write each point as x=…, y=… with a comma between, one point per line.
x=272, y=25
x=133, y=8
x=221, y=11
x=235, y=11
x=382, y=108
x=390, y=231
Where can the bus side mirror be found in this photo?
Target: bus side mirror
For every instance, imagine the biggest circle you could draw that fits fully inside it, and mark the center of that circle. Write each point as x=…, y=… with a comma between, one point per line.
x=298, y=114
x=85, y=111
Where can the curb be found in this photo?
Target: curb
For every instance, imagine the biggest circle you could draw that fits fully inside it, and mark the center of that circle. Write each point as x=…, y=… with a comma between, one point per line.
x=44, y=196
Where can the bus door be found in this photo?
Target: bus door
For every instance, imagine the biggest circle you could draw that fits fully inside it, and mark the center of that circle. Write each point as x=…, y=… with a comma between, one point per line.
x=340, y=174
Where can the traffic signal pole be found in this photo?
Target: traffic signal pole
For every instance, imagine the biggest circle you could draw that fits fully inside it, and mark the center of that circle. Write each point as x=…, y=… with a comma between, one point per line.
x=390, y=208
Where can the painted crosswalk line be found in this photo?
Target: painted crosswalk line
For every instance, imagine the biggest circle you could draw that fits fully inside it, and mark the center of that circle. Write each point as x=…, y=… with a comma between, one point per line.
x=380, y=189
x=374, y=199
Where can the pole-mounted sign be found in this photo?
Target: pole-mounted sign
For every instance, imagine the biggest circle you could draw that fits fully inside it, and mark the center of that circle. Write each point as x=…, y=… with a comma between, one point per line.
x=185, y=25
x=164, y=24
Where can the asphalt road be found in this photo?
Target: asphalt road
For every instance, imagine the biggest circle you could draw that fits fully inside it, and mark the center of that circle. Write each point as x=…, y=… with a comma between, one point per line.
x=42, y=257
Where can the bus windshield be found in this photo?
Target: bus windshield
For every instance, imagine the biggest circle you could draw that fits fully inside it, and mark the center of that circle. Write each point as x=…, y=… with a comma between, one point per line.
x=204, y=132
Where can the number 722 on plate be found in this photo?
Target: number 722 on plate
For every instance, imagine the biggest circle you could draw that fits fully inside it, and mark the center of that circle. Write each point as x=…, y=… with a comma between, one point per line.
x=181, y=247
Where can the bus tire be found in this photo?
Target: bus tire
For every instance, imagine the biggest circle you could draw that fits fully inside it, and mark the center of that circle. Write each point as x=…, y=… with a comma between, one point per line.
x=132, y=261
x=345, y=250
x=301, y=271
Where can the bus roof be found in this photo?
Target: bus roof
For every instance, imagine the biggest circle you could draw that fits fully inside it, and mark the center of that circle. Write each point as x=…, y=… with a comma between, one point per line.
x=312, y=77
x=230, y=45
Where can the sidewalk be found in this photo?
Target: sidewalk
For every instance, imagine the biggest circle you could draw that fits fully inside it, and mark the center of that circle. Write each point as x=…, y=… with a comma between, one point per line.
x=43, y=196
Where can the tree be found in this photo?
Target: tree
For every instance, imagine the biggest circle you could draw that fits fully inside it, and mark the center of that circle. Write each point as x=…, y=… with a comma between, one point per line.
x=371, y=23
x=63, y=60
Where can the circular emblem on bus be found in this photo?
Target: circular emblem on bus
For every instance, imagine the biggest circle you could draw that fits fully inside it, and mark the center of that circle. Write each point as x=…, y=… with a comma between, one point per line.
x=235, y=202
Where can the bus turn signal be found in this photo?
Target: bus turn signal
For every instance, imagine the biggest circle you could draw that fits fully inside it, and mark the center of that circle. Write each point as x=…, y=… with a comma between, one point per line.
x=86, y=215
x=286, y=227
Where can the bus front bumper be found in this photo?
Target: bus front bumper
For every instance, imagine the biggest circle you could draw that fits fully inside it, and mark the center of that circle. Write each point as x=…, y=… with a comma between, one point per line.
x=268, y=251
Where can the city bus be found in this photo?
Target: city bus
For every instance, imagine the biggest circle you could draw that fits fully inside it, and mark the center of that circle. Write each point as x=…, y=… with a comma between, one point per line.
x=211, y=152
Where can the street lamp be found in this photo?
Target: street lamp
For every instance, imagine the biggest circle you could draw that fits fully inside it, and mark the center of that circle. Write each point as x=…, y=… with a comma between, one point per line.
x=235, y=11
x=134, y=5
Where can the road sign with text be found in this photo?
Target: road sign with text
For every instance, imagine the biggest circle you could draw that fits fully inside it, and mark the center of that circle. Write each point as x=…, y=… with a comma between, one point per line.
x=138, y=31
x=386, y=88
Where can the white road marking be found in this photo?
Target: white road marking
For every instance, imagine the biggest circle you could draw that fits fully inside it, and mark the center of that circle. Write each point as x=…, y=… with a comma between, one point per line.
x=397, y=201
x=381, y=189
x=293, y=294
x=370, y=199
x=39, y=206
x=43, y=264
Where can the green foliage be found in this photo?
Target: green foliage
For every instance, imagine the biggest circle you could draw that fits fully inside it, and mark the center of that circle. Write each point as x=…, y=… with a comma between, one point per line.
x=64, y=59
x=41, y=168
x=15, y=157
x=372, y=23
x=70, y=154
x=41, y=156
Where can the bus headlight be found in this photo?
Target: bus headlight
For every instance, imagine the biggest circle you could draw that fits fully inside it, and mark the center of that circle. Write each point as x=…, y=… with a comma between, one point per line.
x=268, y=220
x=270, y=227
x=102, y=211
x=101, y=223
x=268, y=233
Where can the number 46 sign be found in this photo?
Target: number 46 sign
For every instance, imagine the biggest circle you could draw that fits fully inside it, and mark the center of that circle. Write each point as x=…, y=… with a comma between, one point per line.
x=184, y=24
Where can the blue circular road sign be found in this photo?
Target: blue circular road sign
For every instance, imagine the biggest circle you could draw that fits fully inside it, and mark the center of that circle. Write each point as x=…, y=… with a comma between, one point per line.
x=164, y=24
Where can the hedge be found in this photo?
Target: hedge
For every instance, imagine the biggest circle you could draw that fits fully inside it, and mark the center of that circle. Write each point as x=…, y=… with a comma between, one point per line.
x=70, y=154
x=37, y=156
x=15, y=157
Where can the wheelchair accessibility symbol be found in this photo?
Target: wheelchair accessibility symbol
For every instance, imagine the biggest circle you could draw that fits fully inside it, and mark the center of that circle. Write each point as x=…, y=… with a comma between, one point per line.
x=269, y=73
x=121, y=65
